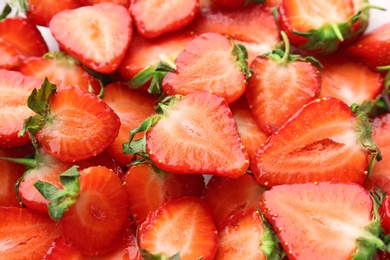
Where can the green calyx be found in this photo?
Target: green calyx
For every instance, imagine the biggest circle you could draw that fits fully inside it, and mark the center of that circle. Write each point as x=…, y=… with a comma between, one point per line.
x=241, y=54
x=269, y=242
x=61, y=199
x=149, y=256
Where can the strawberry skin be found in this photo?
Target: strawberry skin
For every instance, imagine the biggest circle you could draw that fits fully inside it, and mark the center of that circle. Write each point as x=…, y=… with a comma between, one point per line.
x=98, y=36
x=308, y=147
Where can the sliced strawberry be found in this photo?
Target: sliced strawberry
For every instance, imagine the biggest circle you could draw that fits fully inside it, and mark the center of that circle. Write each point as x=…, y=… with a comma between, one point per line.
x=125, y=3
x=98, y=36
x=384, y=211
x=323, y=221
x=132, y=107
x=153, y=18
x=211, y=62
x=40, y=12
x=72, y=124
x=24, y=36
x=15, y=89
x=348, y=81
x=226, y=196
x=149, y=188
x=25, y=234
x=236, y=3
x=181, y=227
x=251, y=134
x=309, y=146
x=60, y=69
x=193, y=134
x=9, y=57
x=372, y=49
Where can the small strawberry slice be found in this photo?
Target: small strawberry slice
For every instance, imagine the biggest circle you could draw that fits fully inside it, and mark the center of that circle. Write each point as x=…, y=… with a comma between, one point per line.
x=25, y=234
x=281, y=82
x=149, y=188
x=347, y=80
x=24, y=36
x=91, y=210
x=71, y=124
x=14, y=91
x=98, y=36
x=210, y=62
x=309, y=146
x=9, y=57
x=323, y=221
x=372, y=49
x=60, y=69
x=226, y=196
x=183, y=227
x=153, y=18
x=192, y=134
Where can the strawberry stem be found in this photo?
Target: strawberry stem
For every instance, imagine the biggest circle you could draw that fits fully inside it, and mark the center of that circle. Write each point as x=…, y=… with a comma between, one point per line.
x=336, y=30
x=286, y=41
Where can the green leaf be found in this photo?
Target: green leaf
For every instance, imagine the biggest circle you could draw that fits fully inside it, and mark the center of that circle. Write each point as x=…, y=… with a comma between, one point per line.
x=142, y=77
x=269, y=242
x=239, y=50
x=135, y=146
x=149, y=256
x=39, y=100
x=6, y=11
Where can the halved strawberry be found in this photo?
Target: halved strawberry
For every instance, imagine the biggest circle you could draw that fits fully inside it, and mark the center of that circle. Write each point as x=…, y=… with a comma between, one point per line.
x=226, y=196
x=25, y=234
x=71, y=124
x=323, y=141
x=192, y=134
x=281, y=82
x=9, y=57
x=60, y=69
x=372, y=49
x=323, y=221
x=149, y=188
x=153, y=18
x=210, y=62
x=98, y=36
x=183, y=227
x=14, y=91
x=348, y=81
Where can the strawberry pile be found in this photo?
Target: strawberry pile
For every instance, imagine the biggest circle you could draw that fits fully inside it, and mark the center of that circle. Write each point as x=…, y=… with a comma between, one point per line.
x=197, y=129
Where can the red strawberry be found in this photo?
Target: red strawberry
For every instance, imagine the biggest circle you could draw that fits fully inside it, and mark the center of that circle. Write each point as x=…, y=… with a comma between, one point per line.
x=15, y=89
x=226, y=197
x=193, y=134
x=40, y=12
x=98, y=35
x=181, y=227
x=280, y=82
x=91, y=210
x=372, y=49
x=321, y=142
x=320, y=26
x=9, y=57
x=25, y=234
x=132, y=107
x=348, y=81
x=211, y=62
x=153, y=18
x=236, y=3
x=149, y=188
x=60, y=69
x=384, y=211
x=72, y=124
x=323, y=221
x=24, y=36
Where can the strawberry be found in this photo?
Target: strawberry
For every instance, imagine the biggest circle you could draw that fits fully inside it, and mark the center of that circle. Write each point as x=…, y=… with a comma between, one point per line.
x=132, y=107
x=92, y=207
x=149, y=188
x=384, y=211
x=98, y=36
x=15, y=89
x=251, y=134
x=171, y=16
x=226, y=196
x=373, y=48
x=125, y=3
x=25, y=234
x=183, y=227
x=281, y=82
x=9, y=56
x=41, y=12
x=210, y=62
x=236, y=3
x=308, y=147
x=60, y=69
x=205, y=136
x=348, y=81
x=71, y=124
x=313, y=29
x=323, y=221
x=24, y=36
